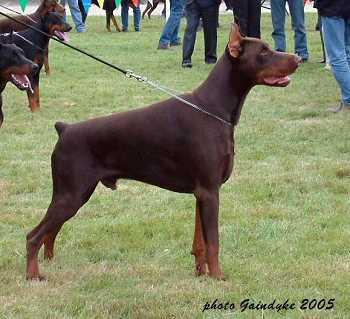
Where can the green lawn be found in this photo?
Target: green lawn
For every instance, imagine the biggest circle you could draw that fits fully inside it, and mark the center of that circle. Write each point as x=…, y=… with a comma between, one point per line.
x=284, y=213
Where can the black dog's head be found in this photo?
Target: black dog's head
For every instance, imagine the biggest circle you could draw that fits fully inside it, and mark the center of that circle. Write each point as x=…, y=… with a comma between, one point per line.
x=15, y=67
x=258, y=63
x=54, y=24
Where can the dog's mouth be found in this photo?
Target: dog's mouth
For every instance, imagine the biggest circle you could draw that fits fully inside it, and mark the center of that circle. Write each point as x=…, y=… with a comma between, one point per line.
x=277, y=81
x=21, y=81
x=63, y=36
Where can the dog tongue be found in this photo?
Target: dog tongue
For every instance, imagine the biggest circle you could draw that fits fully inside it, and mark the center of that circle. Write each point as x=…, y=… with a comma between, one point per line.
x=22, y=82
x=276, y=80
x=62, y=36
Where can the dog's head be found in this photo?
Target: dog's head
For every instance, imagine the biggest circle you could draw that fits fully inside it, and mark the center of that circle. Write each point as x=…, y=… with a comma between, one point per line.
x=53, y=6
x=55, y=25
x=258, y=63
x=15, y=67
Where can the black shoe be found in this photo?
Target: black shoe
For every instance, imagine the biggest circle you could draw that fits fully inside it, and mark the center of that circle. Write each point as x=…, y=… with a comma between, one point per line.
x=187, y=64
x=210, y=61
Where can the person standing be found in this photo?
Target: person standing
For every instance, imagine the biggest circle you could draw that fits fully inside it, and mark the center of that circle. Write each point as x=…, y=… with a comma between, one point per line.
x=135, y=5
x=247, y=15
x=278, y=13
x=76, y=14
x=335, y=16
x=170, y=34
x=208, y=10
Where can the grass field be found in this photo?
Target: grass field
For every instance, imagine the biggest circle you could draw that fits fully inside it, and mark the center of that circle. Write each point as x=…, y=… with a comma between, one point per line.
x=284, y=213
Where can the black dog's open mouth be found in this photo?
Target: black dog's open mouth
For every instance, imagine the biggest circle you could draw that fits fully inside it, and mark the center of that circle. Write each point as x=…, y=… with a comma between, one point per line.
x=21, y=81
x=63, y=36
x=277, y=81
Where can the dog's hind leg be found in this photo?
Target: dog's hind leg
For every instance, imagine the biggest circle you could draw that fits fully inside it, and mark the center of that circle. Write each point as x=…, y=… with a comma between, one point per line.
x=208, y=205
x=199, y=247
x=70, y=192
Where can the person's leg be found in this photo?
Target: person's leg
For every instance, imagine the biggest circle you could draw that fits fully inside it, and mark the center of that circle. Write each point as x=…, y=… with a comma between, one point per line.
x=210, y=17
x=278, y=15
x=172, y=23
x=125, y=14
x=240, y=12
x=296, y=8
x=76, y=15
x=337, y=42
x=347, y=40
x=254, y=15
x=175, y=39
x=192, y=19
x=108, y=21
x=137, y=18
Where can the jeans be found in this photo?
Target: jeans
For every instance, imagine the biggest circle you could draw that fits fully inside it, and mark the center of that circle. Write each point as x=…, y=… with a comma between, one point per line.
x=210, y=22
x=278, y=13
x=125, y=16
x=76, y=14
x=170, y=34
x=337, y=41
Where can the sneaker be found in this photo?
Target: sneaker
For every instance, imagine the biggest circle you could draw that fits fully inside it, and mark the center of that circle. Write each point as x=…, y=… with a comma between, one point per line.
x=186, y=64
x=162, y=46
x=340, y=108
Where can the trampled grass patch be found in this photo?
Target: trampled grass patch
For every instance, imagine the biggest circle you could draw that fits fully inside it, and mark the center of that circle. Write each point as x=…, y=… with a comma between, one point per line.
x=284, y=213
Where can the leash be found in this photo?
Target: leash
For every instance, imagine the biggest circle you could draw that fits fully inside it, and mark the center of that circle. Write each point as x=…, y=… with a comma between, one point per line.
x=14, y=11
x=128, y=73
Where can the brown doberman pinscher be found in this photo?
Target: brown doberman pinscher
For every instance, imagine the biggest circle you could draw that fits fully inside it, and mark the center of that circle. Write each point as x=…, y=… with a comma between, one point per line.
x=45, y=7
x=168, y=144
x=14, y=68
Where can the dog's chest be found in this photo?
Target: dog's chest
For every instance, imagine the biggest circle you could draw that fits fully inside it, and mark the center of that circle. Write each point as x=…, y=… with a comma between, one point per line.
x=227, y=162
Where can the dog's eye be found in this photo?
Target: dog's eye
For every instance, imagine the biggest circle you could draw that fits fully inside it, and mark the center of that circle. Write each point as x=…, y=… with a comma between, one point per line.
x=264, y=51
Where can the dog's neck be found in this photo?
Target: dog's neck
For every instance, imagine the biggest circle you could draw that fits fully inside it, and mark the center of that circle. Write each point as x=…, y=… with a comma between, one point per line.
x=41, y=40
x=224, y=91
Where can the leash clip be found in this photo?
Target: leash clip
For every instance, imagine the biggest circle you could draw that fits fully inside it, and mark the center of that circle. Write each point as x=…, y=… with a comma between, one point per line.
x=130, y=74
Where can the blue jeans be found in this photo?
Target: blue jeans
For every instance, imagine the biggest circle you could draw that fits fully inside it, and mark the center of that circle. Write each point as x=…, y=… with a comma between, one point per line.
x=337, y=41
x=278, y=14
x=170, y=34
x=125, y=16
x=76, y=14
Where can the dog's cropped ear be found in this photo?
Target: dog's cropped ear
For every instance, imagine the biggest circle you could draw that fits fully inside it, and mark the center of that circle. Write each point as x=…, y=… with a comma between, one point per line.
x=234, y=44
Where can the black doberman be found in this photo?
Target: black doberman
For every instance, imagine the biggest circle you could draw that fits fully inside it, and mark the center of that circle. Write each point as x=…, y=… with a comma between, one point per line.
x=14, y=68
x=46, y=6
x=35, y=44
x=168, y=144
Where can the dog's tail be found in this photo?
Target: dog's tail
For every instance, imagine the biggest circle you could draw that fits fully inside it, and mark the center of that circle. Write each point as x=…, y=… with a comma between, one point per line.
x=60, y=127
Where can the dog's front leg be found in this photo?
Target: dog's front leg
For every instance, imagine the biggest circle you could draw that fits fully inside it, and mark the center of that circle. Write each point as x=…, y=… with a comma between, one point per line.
x=33, y=98
x=208, y=205
x=199, y=248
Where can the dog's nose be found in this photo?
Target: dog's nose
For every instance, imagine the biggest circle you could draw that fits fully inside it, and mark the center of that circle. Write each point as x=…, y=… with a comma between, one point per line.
x=68, y=27
x=35, y=67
